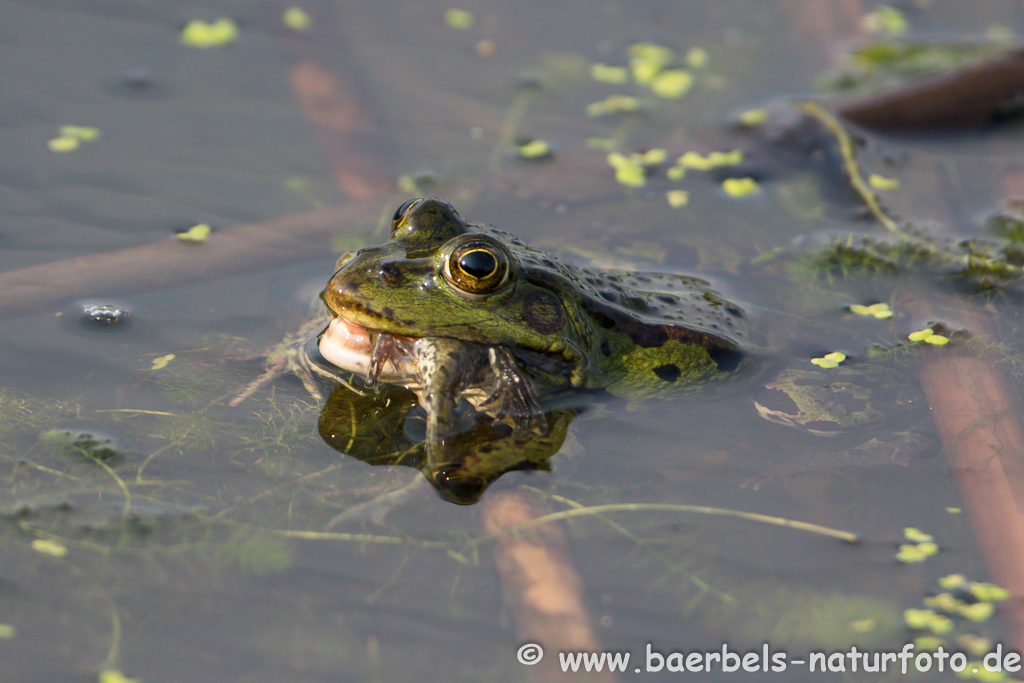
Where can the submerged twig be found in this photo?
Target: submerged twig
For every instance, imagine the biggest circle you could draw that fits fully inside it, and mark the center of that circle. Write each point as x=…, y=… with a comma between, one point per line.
x=852, y=168
x=845, y=536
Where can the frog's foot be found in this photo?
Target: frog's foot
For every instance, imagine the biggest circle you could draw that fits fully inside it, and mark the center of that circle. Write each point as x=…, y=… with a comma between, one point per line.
x=387, y=349
x=512, y=399
x=897, y=448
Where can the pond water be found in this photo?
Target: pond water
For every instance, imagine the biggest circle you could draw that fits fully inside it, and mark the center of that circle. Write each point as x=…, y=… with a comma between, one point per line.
x=150, y=529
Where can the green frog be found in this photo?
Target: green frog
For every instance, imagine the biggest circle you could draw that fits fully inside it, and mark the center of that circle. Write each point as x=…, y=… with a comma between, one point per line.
x=479, y=325
x=459, y=311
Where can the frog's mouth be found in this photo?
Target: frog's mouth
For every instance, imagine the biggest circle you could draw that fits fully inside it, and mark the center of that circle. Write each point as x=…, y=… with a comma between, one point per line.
x=374, y=355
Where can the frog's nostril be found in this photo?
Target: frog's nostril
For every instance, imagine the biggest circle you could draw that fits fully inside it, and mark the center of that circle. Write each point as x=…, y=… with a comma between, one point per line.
x=390, y=274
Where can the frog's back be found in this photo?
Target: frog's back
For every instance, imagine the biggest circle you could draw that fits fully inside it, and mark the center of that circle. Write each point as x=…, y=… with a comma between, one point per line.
x=644, y=333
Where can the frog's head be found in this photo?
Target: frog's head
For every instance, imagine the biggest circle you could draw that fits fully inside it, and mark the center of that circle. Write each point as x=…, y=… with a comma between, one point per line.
x=439, y=276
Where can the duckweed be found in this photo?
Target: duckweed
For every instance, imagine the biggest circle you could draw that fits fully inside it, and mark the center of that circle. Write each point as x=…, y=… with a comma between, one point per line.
x=944, y=601
x=885, y=19
x=712, y=160
x=880, y=182
x=975, y=644
x=534, y=149
x=62, y=144
x=647, y=60
x=628, y=171
x=199, y=34
x=911, y=553
x=952, y=581
x=676, y=172
x=613, y=104
x=979, y=611
x=197, y=233
x=739, y=187
x=48, y=547
x=677, y=198
x=458, y=19
x=928, y=336
x=161, y=362
x=753, y=117
x=880, y=311
x=297, y=19
x=926, y=619
x=606, y=73
x=672, y=84
x=83, y=133
x=71, y=138
x=631, y=170
x=928, y=643
x=697, y=58
x=830, y=360
x=989, y=592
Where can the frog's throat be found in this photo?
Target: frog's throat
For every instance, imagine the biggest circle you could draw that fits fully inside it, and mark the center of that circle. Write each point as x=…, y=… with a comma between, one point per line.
x=374, y=355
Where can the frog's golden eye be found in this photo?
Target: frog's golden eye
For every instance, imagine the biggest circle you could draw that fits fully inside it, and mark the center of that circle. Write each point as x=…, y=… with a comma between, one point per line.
x=477, y=267
x=401, y=211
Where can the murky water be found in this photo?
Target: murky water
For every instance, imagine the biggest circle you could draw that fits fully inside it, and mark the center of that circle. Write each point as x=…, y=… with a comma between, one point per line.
x=180, y=542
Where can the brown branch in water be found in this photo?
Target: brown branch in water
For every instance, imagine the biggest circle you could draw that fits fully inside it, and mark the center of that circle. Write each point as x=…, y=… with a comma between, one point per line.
x=977, y=420
x=174, y=263
x=328, y=87
x=541, y=586
x=340, y=123
x=971, y=97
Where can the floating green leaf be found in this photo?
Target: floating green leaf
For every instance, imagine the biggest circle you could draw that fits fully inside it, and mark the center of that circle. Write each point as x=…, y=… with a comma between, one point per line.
x=62, y=144
x=880, y=310
x=297, y=19
x=677, y=198
x=613, y=104
x=534, y=149
x=197, y=233
x=753, y=117
x=48, y=547
x=200, y=34
x=672, y=84
x=606, y=73
x=830, y=360
x=458, y=19
x=739, y=187
x=697, y=58
x=161, y=362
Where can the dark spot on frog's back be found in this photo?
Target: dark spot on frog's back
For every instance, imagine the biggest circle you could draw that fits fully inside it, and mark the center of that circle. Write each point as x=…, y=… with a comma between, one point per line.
x=602, y=320
x=668, y=372
x=543, y=312
x=726, y=359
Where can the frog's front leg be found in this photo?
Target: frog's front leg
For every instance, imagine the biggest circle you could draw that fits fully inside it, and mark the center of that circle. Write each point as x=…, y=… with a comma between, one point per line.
x=512, y=396
x=444, y=368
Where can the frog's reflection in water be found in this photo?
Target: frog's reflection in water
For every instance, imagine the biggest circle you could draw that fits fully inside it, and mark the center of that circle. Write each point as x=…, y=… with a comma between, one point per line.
x=389, y=428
